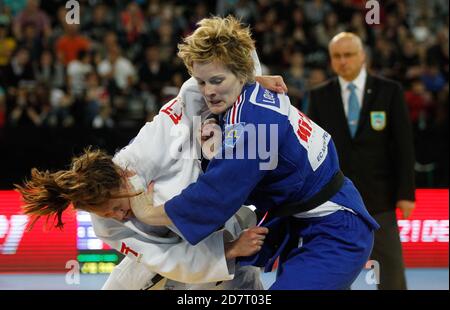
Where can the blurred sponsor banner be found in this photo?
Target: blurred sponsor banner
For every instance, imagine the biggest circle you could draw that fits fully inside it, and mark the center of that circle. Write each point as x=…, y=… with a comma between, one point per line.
x=43, y=249
x=424, y=235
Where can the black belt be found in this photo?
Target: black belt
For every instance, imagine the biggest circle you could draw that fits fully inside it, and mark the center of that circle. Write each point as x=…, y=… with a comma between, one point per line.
x=155, y=280
x=328, y=191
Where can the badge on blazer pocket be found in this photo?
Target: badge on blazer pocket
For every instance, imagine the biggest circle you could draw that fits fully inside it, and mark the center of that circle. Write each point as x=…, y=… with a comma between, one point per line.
x=378, y=120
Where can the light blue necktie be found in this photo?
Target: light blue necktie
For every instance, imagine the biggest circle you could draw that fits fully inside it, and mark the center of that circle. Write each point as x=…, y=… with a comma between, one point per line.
x=353, y=109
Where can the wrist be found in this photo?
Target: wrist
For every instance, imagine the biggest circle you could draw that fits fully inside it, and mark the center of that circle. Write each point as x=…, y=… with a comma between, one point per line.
x=230, y=252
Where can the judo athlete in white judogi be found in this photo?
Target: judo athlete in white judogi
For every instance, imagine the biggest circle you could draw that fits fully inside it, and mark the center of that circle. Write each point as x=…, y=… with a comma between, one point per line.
x=164, y=152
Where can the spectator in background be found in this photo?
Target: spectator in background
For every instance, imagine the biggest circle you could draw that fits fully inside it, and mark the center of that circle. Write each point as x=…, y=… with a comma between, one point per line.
x=316, y=76
x=368, y=120
x=14, y=6
x=58, y=26
x=31, y=41
x=297, y=29
x=316, y=10
x=50, y=70
x=420, y=104
x=385, y=60
x=103, y=119
x=171, y=90
x=166, y=41
x=153, y=10
x=31, y=106
x=438, y=52
x=7, y=45
x=96, y=96
x=118, y=70
x=328, y=29
x=153, y=74
x=390, y=28
x=168, y=13
x=31, y=14
x=132, y=23
x=410, y=60
x=61, y=109
x=421, y=110
x=267, y=35
x=69, y=44
x=295, y=79
x=199, y=12
x=420, y=31
x=77, y=71
x=110, y=40
x=19, y=69
x=359, y=27
x=97, y=27
x=245, y=10
x=345, y=9
x=433, y=79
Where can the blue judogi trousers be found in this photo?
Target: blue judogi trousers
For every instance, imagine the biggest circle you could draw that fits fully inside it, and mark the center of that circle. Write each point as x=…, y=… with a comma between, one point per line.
x=329, y=253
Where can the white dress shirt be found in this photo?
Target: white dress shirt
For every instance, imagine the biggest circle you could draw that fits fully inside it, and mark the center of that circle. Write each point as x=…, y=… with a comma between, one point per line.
x=360, y=83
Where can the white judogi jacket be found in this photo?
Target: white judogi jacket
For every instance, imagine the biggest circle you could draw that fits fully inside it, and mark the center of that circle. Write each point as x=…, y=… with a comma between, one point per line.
x=162, y=152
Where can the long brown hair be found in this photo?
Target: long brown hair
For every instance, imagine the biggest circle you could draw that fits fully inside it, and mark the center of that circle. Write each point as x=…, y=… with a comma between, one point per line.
x=91, y=181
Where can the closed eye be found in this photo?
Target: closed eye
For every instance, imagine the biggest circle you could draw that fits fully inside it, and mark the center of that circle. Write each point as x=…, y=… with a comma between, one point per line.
x=216, y=81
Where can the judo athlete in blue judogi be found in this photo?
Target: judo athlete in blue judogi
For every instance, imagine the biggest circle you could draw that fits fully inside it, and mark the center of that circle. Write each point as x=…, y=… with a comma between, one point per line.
x=273, y=157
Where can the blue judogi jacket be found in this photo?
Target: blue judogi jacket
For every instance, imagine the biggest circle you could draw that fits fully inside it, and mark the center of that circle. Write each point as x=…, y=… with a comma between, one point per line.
x=271, y=154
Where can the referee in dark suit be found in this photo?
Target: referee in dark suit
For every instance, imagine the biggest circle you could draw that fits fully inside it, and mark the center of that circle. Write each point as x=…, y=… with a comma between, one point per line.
x=368, y=120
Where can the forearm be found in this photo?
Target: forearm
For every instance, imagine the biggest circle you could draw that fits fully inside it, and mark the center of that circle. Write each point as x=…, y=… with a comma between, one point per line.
x=150, y=215
x=230, y=253
x=159, y=217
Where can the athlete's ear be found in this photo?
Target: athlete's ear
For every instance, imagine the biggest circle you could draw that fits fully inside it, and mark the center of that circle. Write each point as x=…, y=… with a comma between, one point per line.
x=150, y=187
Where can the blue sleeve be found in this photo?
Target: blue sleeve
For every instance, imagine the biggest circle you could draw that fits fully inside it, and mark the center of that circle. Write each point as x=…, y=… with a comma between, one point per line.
x=205, y=206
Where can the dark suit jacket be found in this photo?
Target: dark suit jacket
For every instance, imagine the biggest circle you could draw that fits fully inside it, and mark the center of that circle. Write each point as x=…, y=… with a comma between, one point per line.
x=380, y=158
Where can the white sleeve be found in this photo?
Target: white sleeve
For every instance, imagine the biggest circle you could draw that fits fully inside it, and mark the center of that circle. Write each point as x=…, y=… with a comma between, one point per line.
x=192, y=99
x=149, y=151
x=256, y=63
x=202, y=263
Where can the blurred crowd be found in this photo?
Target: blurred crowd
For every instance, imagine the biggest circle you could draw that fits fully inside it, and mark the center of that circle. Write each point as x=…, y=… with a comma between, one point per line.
x=119, y=65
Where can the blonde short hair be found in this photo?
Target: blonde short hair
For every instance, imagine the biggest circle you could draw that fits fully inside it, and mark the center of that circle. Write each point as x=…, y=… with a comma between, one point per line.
x=220, y=39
